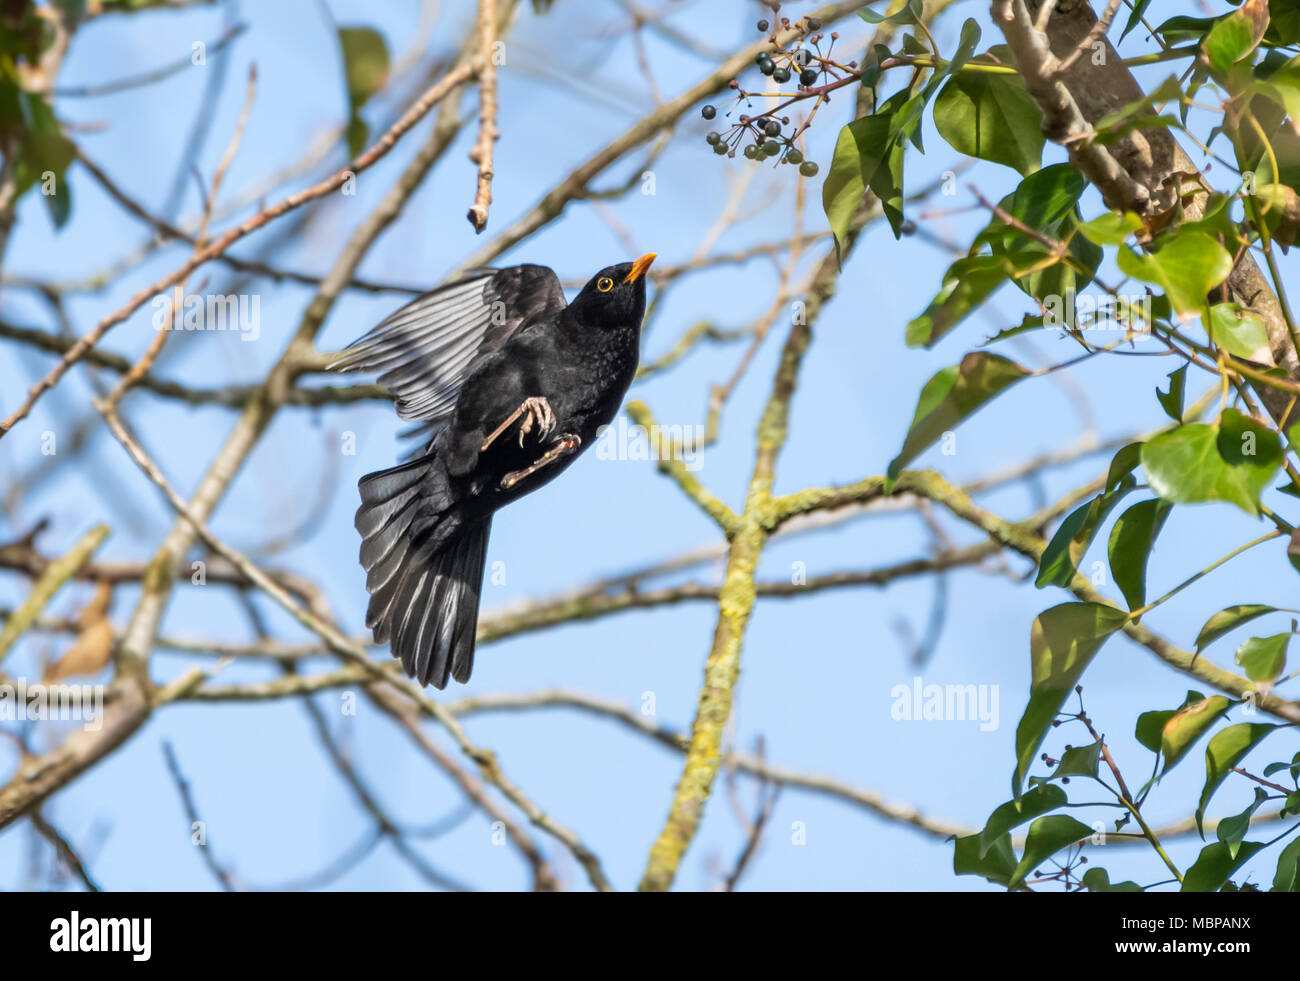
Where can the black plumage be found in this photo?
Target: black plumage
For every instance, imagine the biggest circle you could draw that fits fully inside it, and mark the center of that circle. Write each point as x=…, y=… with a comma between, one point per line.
x=511, y=384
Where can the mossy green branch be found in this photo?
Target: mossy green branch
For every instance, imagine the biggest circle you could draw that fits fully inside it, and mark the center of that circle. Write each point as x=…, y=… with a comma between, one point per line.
x=670, y=463
x=51, y=581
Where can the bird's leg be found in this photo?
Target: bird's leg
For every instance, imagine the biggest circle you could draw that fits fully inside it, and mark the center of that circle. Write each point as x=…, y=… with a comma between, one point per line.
x=565, y=445
x=535, y=410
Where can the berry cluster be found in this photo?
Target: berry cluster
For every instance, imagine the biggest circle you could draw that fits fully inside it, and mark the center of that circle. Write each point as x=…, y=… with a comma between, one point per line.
x=766, y=135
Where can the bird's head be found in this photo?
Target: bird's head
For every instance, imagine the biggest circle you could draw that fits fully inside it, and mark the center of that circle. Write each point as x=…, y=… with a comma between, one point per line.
x=615, y=296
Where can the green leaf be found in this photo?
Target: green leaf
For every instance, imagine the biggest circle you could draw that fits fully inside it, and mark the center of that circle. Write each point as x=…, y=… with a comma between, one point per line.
x=1234, y=37
x=1032, y=803
x=1239, y=332
x=1229, y=619
x=1079, y=761
x=1186, y=726
x=859, y=151
x=995, y=863
x=1215, y=863
x=1098, y=880
x=1287, y=877
x=1046, y=201
x=1232, y=461
x=952, y=395
x=1062, y=642
x=887, y=185
x=365, y=63
x=1172, y=400
x=992, y=117
x=1190, y=264
x=1178, y=29
x=43, y=148
x=1135, y=17
x=1122, y=464
x=1131, y=540
x=365, y=67
x=1263, y=658
x=1060, y=560
x=1112, y=228
x=1232, y=830
x=909, y=14
x=968, y=282
x=1047, y=836
x=1151, y=725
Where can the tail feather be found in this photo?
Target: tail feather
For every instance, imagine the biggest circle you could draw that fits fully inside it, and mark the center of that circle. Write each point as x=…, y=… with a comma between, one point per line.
x=424, y=571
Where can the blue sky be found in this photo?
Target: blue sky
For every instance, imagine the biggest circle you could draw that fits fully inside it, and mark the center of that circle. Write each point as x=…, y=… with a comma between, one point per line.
x=817, y=671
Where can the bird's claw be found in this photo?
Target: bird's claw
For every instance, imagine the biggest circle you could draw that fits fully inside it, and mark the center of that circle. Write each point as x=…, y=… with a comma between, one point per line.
x=536, y=411
x=564, y=445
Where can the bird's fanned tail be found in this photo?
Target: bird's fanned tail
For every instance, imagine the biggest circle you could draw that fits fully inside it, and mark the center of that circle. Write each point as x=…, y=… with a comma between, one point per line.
x=424, y=570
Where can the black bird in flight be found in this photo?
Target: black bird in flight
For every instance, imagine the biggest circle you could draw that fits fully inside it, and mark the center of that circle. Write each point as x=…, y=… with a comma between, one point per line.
x=513, y=384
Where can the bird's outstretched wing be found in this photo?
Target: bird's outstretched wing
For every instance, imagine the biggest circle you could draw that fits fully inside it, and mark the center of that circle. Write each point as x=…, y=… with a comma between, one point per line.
x=428, y=348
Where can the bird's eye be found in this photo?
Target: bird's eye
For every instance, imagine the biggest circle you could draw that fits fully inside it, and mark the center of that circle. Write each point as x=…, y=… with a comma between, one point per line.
x=604, y=284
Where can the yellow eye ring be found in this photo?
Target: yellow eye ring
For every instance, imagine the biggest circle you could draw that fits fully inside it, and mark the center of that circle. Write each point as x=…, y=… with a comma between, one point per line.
x=604, y=284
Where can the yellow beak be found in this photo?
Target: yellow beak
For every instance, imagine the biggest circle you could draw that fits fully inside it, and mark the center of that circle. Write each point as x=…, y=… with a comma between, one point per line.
x=639, y=267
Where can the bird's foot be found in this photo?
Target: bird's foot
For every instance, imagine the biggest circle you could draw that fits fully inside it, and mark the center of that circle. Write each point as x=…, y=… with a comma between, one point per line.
x=565, y=444
x=536, y=411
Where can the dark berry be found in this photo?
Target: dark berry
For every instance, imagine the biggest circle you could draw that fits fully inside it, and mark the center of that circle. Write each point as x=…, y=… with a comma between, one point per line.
x=771, y=127
x=719, y=148
x=708, y=112
x=763, y=25
x=802, y=57
x=813, y=23
x=714, y=138
x=907, y=227
x=808, y=168
x=761, y=57
x=794, y=156
x=771, y=148
x=781, y=75
x=808, y=77
x=767, y=66
x=751, y=152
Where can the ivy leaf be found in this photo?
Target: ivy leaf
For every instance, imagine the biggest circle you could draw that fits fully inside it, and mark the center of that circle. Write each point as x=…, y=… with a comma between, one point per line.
x=1287, y=877
x=365, y=67
x=1190, y=264
x=1240, y=332
x=1131, y=540
x=1188, y=725
x=859, y=151
x=1263, y=658
x=1235, y=36
x=1047, y=836
x=968, y=282
x=1122, y=464
x=1062, y=642
x=1229, y=619
x=1081, y=761
x=1098, y=880
x=1232, y=830
x=1135, y=17
x=1060, y=560
x=1112, y=228
x=1232, y=461
x=992, y=117
x=996, y=863
x=950, y=396
x=1150, y=725
x=1032, y=803
x=1215, y=863
x=1172, y=400
x=1046, y=201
